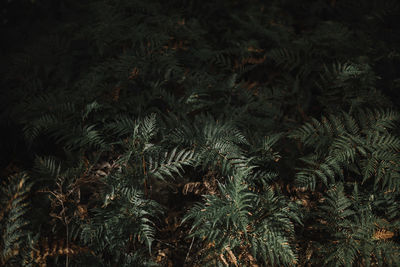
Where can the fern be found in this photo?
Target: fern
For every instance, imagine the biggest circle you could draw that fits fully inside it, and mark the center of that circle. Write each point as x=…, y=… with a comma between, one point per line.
x=357, y=236
x=13, y=217
x=122, y=227
x=236, y=217
x=269, y=130
x=349, y=142
x=170, y=163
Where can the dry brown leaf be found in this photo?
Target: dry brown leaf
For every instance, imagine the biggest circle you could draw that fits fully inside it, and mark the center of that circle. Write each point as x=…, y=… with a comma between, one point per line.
x=383, y=234
x=194, y=187
x=221, y=256
x=232, y=256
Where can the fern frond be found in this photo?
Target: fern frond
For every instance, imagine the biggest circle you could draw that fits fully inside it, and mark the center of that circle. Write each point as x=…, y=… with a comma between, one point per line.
x=170, y=163
x=13, y=221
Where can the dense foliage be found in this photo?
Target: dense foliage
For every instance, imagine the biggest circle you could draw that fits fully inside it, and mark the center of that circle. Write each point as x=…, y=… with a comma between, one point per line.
x=200, y=133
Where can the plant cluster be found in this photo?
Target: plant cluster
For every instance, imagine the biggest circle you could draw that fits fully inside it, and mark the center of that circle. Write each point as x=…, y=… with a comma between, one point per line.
x=200, y=133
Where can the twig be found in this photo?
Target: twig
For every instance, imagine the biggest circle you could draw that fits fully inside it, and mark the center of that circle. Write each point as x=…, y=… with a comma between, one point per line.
x=187, y=254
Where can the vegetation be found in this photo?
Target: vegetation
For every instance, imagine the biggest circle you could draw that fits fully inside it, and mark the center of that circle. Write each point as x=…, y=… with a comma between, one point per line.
x=200, y=133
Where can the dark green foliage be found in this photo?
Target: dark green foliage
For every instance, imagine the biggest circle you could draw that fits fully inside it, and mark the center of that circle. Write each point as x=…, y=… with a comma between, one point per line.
x=200, y=133
x=238, y=220
x=15, y=245
x=122, y=222
x=355, y=234
x=362, y=145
